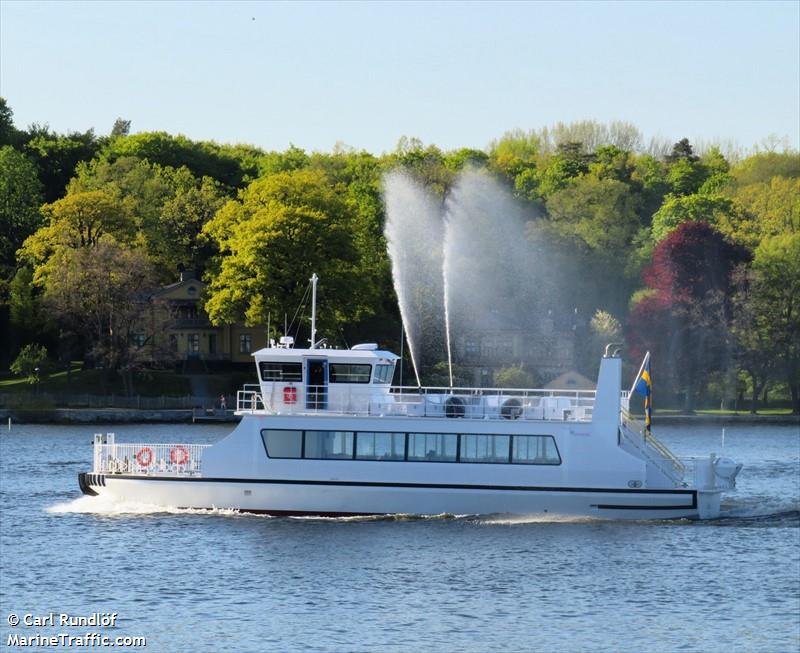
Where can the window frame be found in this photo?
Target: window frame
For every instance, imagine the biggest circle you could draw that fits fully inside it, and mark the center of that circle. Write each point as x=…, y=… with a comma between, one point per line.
x=332, y=373
x=406, y=447
x=461, y=448
x=383, y=460
x=352, y=446
x=536, y=435
x=262, y=364
x=263, y=433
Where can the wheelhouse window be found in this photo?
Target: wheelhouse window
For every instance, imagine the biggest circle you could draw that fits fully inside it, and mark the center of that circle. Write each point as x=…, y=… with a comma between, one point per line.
x=485, y=448
x=383, y=373
x=434, y=447
x=245, y=343
x=349, y=373
x=329, y=444
x=380, y=446
x=535, y=450
x=281, y=443
x=280, y=371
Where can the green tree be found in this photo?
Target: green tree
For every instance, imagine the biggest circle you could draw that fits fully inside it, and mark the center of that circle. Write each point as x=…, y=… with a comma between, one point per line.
x=56, y=156
x=9, y=135
x=103, y=294
x=771, y=308
x=121, y=127
x=767, y=208
x=204, y=159
x=715, y=209
x=761, y=167
x=30, y=363
x=20, y=198
x=514, y=376
x=283, y=229
x=602, y=214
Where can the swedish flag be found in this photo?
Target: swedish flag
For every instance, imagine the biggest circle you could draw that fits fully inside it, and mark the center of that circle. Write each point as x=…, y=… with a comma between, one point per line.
x=644, y=386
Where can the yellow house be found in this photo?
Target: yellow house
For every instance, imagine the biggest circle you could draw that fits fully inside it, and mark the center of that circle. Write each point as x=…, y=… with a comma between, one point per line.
x=192, y=336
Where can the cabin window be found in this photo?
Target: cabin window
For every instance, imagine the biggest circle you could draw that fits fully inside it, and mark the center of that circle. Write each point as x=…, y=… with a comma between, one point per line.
x=436, y=447
x=281, y=443
x=280, y=371
x=329, y=444
x=535, y=450
x=348, y=373
x=485, y=448
x=383, y=373
x=380, y=446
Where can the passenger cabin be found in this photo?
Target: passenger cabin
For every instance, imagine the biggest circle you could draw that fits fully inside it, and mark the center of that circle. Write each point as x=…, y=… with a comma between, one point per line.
x=340, y=380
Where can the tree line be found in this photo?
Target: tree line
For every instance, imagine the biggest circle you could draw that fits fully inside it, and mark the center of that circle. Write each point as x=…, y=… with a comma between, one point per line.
x=693, y=256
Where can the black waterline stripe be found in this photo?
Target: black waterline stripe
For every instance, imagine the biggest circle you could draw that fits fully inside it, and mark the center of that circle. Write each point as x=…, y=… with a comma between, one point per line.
x=604, y=506
x=435, y=486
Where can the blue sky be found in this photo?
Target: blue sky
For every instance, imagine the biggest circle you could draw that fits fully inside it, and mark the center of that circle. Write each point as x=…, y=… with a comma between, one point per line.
x=364, y=74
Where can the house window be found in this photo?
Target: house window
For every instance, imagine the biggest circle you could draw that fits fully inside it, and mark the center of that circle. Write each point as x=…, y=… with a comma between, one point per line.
x=173, y=342
x=244, y=343
x=472, y=348
x=139, y=339
x=193, y=343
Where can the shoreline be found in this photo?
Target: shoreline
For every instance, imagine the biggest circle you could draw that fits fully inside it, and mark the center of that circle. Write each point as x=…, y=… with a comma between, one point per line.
x=114, y=416
x=188, y=416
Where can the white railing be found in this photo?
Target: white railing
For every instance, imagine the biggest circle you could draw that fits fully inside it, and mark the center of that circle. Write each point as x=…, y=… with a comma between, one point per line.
x=145, y=458
x=656, y=451
x=413, y=401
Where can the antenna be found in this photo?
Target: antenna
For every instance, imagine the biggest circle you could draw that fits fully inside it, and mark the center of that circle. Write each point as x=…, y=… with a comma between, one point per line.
x=314, y=279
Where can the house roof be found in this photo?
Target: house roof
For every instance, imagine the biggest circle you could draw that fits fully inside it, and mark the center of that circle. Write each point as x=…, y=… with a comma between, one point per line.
x=571, y=380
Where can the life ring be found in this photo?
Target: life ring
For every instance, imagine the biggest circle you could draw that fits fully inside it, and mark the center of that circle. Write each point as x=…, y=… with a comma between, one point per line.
x=144, y=456
x=511, y=408
x=454, y=407
x=289, y=394
x=179, y=455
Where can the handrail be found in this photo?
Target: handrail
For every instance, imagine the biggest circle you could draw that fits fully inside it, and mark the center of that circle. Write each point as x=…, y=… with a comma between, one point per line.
x=637, y=427
x=414, y=401
x=174, y=459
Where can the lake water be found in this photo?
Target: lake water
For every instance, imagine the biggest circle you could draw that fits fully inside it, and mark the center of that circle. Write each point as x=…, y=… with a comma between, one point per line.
x=226, y=582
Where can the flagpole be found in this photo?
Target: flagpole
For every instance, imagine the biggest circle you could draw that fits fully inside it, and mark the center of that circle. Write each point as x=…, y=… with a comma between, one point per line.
x=639, y=375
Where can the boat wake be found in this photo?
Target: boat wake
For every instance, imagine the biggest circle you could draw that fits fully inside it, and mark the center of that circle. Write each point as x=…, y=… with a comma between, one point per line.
x=108, y=506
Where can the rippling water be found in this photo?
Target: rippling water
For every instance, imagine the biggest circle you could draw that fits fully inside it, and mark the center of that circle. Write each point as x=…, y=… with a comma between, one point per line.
x=221, y=581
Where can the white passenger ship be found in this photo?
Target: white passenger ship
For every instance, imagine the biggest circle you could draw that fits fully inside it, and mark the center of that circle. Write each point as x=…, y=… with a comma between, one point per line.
x=325, y=433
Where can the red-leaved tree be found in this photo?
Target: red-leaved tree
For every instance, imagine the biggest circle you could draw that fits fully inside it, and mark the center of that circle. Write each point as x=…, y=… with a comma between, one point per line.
x=685, y=322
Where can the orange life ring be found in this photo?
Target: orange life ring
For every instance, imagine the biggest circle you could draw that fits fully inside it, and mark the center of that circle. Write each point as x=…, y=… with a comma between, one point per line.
x=179, y=455
x=144, y=456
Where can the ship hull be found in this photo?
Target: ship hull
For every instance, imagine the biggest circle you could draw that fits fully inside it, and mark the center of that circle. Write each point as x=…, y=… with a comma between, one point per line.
x=337, y=498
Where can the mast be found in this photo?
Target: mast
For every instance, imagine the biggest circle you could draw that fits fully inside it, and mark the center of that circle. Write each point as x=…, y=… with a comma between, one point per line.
x=314, y=279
